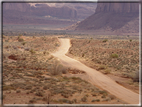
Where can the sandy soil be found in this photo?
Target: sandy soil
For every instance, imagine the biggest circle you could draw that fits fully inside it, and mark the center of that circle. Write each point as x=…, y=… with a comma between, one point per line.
x=97, y=78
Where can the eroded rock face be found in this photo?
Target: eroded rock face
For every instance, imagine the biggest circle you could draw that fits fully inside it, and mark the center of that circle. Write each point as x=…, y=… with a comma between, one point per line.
x=115, y=16
x=23, y=7
x=25, y=13
x=118, y=7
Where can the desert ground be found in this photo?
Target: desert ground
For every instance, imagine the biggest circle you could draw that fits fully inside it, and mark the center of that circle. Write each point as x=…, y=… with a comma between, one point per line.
x=37, y=71
x=117, y=58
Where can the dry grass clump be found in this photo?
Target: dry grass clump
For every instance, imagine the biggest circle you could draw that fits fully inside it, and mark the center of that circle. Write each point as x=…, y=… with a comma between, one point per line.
x=58, y=69
x=114, y=55
x=84, y=99
x=136, y=77
x=8, y=87
x=39, y=93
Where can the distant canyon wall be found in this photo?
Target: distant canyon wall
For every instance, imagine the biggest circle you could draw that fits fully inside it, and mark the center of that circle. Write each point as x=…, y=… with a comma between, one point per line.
x=118, y=7
x=25, y=12
x=120, y=17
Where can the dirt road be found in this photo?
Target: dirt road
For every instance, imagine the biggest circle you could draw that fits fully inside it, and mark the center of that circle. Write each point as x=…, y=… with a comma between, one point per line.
x=97, y=78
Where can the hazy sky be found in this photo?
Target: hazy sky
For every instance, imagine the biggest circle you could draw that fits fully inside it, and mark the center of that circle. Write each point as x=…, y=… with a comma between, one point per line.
x=71, y=0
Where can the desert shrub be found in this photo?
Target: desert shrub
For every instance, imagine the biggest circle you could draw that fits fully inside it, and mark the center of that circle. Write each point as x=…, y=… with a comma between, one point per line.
x=13, y=57
x=56, y=44
x=97, y=100
x=20, y=40
x=47, y=98
x=74, y=100
x=18, y=91
x=64, y=100
x=8, y=87
x=39, y=93
x=45, y=52
x=65, y=95
x=103, y=92
x=102, y=67
x=93, y=94
x=45, y=87
x=84, y=99
x=27, y=92
x=114, y=55
x=32, y=51
x=32, y=101
x=64, y=70
x=83, y=55
x=111, y=97
x=136, y=77
x=58, y=69
x=51, y=57
x=29, y=87
x=107, y=71
x=6, y=40
x=130, y=40
x=20, y=35
x=93, y=100
x=105, y=40
x=23, y=43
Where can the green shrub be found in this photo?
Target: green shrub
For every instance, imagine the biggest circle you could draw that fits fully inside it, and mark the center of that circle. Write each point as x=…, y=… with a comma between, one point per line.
x=8, y=87
x=32, y=51
x=95, y=100
x=130, y=40
x=114, y=55
x=105, y=40
x=103, y=92
x=102, y=67
x=64, y=100
x=20, y=40
x=107, y=71
x=57, y=44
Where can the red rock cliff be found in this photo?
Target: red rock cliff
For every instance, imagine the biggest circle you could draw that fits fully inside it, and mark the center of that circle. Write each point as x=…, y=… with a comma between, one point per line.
x=117, y=7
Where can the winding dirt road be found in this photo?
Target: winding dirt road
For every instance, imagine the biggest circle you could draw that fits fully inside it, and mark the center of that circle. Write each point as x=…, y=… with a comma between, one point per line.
x=97, y=78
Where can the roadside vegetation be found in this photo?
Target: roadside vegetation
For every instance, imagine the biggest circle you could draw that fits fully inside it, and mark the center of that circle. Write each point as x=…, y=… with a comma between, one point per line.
x=109, y=56
x=33, y=76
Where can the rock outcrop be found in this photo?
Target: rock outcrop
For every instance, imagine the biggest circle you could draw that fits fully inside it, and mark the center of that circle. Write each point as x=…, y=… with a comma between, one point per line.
x=112, y=16
x=22, y=7
x=117, y=7
x=18, y=13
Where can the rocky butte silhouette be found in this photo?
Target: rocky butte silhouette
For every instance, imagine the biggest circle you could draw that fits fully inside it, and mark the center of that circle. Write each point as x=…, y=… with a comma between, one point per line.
x=27, y=13
x=114, y=17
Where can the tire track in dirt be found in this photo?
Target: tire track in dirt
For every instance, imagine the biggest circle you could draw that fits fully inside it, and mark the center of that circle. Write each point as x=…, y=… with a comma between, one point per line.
x=96, y=77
